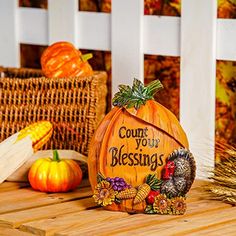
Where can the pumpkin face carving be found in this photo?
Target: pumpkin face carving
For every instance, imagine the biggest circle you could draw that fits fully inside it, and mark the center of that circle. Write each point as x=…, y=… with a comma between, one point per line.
x=62, y=59
x=129, y=152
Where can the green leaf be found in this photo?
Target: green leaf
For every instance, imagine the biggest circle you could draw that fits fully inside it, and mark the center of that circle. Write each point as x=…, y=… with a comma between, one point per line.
x=149, y=209
x=137, y=95
x=100, y=177
x=153, y=182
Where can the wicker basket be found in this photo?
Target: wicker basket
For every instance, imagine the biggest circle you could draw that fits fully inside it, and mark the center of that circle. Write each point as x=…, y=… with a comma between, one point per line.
x=73, y=105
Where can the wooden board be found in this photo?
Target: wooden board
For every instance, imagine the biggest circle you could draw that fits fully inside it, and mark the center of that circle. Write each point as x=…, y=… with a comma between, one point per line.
x=27, y=212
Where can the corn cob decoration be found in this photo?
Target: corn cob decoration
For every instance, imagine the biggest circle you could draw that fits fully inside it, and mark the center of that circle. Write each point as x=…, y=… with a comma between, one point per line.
x=152, y=183
x=127, y=193
x=18, y=148
x=39, y=132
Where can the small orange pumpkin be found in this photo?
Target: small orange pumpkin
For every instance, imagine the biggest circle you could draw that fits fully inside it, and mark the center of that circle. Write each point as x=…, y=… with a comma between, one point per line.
x=131, y=149
x=54, y=175
x=62, y=59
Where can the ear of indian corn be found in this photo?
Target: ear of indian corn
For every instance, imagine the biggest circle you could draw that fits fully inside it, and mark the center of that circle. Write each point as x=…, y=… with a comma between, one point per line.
x=142, y=193
x=18, y=148
x=127, y=193
x=39, y=132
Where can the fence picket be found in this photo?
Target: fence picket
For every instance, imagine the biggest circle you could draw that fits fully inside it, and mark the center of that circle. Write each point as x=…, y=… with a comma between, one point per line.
x=9, y=43
x=127, y=42
x=198, y=74
x=62, y=21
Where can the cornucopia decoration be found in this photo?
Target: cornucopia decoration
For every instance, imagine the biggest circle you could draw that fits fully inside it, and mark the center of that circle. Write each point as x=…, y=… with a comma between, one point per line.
x=139, y=159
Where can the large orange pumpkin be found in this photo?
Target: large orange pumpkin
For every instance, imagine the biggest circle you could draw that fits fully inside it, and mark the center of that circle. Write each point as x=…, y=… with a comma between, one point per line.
x=62, y=59
x=133, y=151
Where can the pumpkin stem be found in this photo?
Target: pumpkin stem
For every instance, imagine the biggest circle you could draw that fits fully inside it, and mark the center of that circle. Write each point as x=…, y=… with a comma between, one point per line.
x=86, y=57
x=137, y=95
x=55, y=156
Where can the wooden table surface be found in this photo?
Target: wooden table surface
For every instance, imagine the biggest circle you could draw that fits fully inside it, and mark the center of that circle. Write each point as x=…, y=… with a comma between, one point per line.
x=26, y=212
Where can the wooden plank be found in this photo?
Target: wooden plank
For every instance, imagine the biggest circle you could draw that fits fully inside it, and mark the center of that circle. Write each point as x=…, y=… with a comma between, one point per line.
x=197, y=83
x=24, y=194
x=140, y=221
x=227, y=228
x=13, y=232
x=8, y=186
x=186, y=225
x=79, y=219
x=15, y=219
x=42, y=199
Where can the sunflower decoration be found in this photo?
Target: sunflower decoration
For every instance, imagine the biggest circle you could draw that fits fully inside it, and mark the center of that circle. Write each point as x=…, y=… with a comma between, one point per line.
x=104, y=194
x=178, y=205
x=162, y=204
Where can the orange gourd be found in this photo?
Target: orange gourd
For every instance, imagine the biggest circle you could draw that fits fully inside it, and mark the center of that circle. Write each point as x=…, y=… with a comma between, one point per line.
x=54, y=175
x=139, y=144
x=62, y=59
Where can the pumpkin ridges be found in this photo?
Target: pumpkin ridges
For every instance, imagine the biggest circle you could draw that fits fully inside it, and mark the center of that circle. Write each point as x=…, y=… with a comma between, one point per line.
x=152, y=107
x=71, y=171
x=95, y=146
x=62, y=59
x=76, y=171
x=54, y=175
x=103, y=149
x=56, y=47
x=60, y=70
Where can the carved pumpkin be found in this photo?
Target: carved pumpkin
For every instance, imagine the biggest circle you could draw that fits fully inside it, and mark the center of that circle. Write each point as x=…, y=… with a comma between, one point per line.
x=130, y=151
x=62, y=59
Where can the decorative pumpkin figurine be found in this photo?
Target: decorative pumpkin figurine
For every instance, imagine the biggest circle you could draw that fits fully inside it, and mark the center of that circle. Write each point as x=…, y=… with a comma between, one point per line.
x=62, y=59
x=139, y=159
x=54, y=175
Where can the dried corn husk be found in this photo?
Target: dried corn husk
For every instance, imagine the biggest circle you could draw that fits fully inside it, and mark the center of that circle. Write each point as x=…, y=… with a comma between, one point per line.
x=13, y=154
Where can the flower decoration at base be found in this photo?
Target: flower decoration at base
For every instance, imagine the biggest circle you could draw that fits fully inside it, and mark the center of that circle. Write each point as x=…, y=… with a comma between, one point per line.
x=162, y=205
x=178, y=205
x=104, y=194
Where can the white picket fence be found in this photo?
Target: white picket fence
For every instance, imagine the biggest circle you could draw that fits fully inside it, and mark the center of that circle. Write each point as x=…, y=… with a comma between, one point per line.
x=197, y=36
